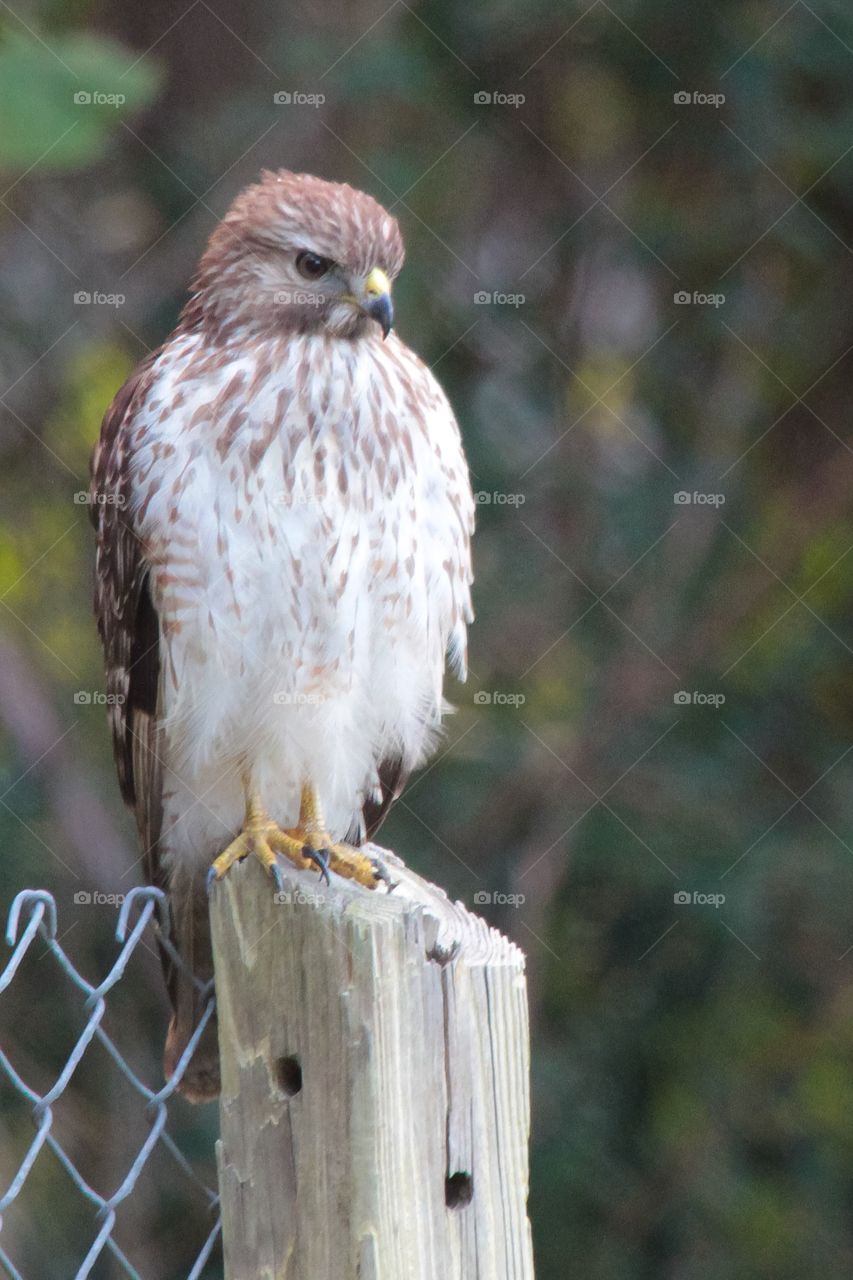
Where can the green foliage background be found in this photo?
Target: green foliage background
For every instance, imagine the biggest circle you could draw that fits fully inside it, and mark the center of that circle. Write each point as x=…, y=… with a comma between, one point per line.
x=692, y=1089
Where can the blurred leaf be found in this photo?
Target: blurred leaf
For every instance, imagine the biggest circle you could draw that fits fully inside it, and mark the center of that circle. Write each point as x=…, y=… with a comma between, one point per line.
x=61, y=100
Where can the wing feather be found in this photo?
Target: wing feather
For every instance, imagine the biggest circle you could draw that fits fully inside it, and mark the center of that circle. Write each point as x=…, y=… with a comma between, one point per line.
x=393, y=777
x=127, y=621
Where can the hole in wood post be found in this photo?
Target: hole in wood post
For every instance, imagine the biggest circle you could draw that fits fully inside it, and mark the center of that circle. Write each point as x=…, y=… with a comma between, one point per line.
x=288, y=1074
x=458, y=1190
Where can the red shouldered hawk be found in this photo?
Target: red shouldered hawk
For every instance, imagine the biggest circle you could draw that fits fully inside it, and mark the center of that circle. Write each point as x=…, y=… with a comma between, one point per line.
x=283, y=520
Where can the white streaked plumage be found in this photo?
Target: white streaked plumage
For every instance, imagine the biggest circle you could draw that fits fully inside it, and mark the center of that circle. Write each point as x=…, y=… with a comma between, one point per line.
x=305, y=627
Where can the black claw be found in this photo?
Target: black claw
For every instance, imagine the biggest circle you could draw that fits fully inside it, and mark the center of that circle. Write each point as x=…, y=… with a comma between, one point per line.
x=211, y=878
x=321, y=857
x=382, y=873
x=278, y=878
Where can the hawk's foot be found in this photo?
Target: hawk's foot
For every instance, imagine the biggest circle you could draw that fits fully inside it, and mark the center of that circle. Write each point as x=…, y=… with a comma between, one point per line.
x=308, y=844
x=263, y=839
x=316, y=846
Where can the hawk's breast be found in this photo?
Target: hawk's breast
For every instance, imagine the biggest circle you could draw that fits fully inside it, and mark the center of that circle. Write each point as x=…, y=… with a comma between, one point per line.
x=306, y=510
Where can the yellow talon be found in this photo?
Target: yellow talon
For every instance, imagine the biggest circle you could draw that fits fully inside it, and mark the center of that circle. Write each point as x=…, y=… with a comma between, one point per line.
x=352, y=865
x=264, y=839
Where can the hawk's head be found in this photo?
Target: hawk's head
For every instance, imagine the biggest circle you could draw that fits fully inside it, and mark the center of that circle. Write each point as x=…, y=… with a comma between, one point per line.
x=297, y=254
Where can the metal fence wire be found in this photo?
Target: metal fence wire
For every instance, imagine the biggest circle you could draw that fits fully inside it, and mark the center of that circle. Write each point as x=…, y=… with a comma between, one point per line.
x=33, y=917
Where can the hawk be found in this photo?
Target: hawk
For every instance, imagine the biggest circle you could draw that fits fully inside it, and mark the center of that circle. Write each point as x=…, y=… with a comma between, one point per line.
x=283, y=516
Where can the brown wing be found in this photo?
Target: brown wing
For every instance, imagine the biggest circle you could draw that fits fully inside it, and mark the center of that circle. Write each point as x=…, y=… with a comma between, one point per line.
x=127, y=621
x=130, y=635
x=392, y=779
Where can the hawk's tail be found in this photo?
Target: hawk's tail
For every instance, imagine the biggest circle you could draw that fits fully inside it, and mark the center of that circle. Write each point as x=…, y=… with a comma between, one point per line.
x=189, y=981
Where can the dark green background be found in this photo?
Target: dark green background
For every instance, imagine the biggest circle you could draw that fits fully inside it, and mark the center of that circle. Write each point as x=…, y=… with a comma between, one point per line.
x=692, y=1098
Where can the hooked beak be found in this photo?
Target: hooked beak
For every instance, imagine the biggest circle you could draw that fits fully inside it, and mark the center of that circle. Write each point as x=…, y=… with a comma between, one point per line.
x=376, y=302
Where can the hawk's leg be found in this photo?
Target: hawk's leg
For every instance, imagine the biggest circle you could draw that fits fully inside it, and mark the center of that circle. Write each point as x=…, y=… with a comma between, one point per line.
x=315, y=843
x=260, y=837
x=305, y=845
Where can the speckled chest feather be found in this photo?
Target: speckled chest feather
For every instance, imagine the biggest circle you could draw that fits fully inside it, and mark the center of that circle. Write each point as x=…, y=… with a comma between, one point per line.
x=305, y=507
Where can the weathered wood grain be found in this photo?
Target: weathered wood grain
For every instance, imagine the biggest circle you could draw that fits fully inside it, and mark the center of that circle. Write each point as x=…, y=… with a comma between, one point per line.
x=374, y=1108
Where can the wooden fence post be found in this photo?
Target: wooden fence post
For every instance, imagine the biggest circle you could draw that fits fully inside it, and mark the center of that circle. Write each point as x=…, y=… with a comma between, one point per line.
x=375, y=1093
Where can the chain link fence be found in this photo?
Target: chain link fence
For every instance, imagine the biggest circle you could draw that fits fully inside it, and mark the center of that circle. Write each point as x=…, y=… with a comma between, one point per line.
x=32, y=919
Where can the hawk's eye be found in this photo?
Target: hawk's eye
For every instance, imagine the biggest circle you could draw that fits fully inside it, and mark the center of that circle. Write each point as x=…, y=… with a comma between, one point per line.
x=311, y=266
